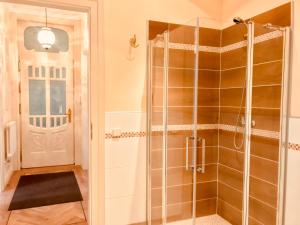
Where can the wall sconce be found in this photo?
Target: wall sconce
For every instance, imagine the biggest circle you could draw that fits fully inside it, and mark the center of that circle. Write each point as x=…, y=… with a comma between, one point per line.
x=133, y=42
x=132, y=45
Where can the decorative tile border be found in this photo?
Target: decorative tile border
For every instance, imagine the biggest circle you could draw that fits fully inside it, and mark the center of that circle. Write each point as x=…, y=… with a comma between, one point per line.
x=294, y=147
x=129, y=134
x=241, y=44
x=225, y=127
x=188, y=127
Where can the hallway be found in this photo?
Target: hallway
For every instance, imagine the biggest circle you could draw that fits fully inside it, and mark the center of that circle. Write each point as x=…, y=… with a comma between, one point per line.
x=74, y=213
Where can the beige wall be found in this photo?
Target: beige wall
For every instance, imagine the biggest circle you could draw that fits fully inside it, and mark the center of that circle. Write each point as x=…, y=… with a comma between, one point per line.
x=8, y=86
x=295, y=82
x=126, y=79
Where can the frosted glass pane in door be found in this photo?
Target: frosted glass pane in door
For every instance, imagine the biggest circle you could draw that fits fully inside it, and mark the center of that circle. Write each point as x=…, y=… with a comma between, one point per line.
x=37, y=97
x=57, y=97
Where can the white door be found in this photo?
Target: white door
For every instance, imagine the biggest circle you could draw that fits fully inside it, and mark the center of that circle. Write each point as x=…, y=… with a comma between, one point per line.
x=46, y=105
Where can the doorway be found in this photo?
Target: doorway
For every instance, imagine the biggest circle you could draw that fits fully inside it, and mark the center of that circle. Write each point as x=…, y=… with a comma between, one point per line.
x=47, y=99
x=53, y=86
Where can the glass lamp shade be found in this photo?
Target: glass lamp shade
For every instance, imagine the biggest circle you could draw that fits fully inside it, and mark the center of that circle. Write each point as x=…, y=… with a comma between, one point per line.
x=46, y=37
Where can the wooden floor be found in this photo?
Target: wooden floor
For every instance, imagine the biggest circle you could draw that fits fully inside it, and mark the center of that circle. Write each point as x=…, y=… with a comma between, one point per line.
x=74, y=213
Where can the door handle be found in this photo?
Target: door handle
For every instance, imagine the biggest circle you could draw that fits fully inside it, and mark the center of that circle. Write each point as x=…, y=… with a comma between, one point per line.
x=203, y=145
x=187, y=165
x=69, y=114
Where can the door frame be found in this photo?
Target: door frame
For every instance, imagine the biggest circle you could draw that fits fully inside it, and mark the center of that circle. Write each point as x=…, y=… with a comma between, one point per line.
x=96, y=78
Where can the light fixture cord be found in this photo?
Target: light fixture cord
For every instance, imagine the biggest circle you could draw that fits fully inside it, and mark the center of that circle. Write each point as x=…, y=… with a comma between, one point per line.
x=46, y=17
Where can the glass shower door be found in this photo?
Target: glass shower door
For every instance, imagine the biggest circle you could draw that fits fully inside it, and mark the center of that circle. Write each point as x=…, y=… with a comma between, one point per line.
x=182, y=140
x=268, y=121
x=172, y=124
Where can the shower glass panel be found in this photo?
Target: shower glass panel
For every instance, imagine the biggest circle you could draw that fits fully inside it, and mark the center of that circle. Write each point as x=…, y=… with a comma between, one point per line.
x=172, y=123
x=217, y=114
x=156, y=88
x=268, y=123
x=231, y=136
x=182, y=140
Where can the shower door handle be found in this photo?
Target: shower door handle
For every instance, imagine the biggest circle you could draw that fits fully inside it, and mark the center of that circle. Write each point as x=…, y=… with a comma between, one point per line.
x=203, y=145
x=187, y=165
x=203, y=155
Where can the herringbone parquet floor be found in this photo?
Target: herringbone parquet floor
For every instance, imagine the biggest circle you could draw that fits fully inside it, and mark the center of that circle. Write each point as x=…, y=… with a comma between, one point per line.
x=74, y=213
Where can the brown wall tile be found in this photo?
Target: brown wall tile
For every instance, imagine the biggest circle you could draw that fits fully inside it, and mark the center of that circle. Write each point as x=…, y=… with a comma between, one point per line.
x=231, y=158
x=208, y=79
x=156, y=197
x=177, y=176
x=176, y=139
x=206, y=190
x=184, y=211
x=211, y=155
x=208, y=97
x=267, y=74
x=278, y=16
x=265, y=147
x=179, y=212
x=230, y=195
x=157, y=97
x=184, y=193
x=157, y=77
x=229, y=115
x=232, y=97
x=158, y=57
x=263, y=191
x=209, y=37
x=231, y=214
x=180, y=97
x=230, y=177
x=206, y=207
x=182, y=34
x=208, y=115
x=266, y=119
x=264, y=169
x=176, y=157
x=181, y=78
x=233, y=59
x=227, y=137
x=156, y=28
x=262, y=212
x=210, y=136
x=156, y=216
x=267, y=51
x=156, y=140
x=233, y=78
x=266, y=97
x=181, y=58
x=209, y=60
x=180, y=115
x=233, y=34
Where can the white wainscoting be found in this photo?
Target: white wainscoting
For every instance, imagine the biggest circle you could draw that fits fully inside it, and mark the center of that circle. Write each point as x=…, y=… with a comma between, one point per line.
x=125, y=169
x=293, y=174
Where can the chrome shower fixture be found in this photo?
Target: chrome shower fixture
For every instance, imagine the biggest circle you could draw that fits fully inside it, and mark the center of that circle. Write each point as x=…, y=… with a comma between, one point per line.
x=273, y=27
x=238, y=20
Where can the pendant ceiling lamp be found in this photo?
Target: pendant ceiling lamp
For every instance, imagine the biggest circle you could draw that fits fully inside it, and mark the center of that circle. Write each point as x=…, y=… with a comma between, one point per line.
x=45, y=36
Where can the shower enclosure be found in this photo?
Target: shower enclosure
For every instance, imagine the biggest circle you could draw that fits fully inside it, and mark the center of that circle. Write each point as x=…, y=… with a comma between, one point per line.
x=209, y=92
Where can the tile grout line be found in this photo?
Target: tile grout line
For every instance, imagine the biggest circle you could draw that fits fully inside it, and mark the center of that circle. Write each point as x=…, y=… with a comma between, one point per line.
x=250, y=196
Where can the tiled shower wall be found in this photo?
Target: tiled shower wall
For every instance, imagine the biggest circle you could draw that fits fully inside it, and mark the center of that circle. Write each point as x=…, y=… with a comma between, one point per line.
x=180, y=112
x=221, y=81
x=266, y=106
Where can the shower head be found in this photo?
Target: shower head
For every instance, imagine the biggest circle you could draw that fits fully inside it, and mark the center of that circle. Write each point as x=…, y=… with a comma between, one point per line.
x=238, y=20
